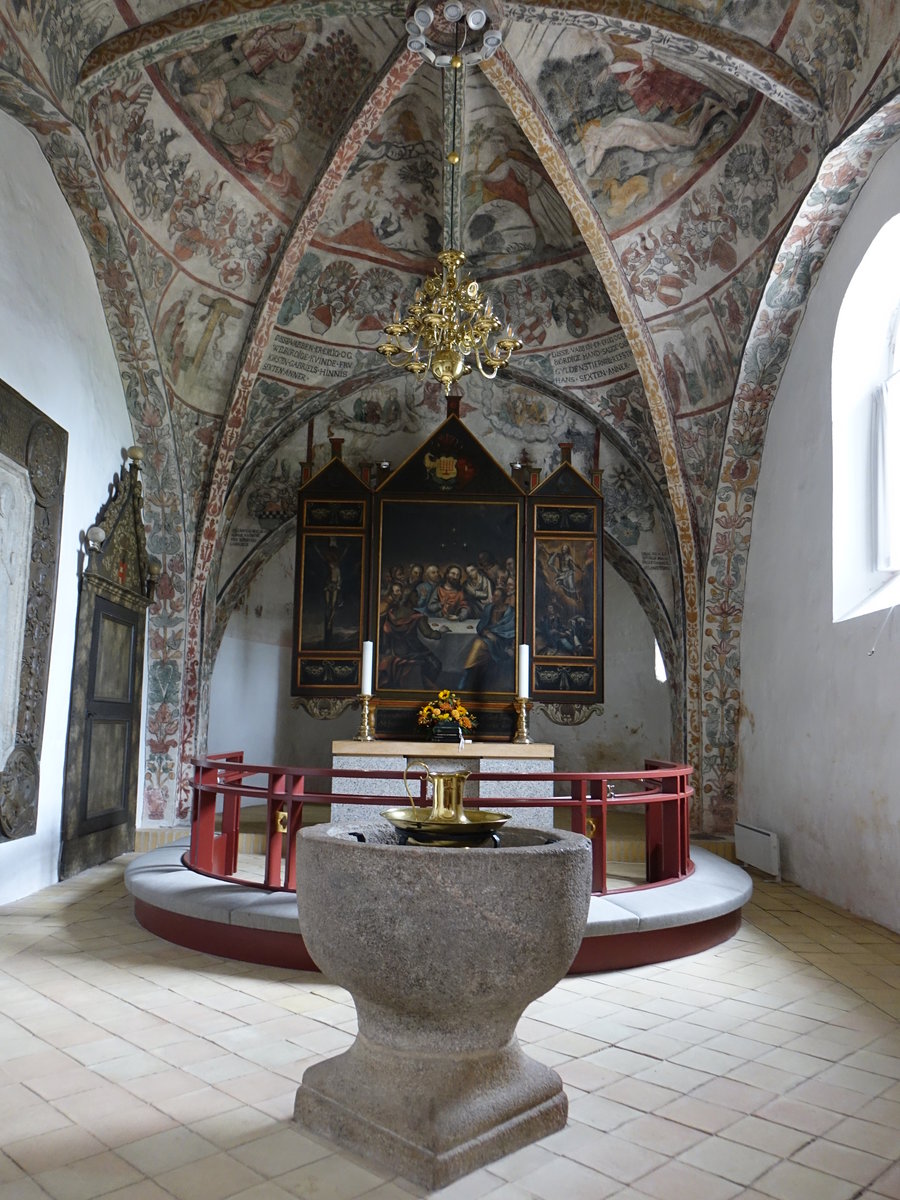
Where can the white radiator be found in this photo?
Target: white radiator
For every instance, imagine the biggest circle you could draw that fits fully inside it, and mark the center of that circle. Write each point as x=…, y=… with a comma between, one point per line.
x=757, y=848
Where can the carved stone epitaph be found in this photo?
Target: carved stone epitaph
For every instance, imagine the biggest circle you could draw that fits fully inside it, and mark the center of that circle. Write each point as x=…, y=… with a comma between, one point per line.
x=33, y=451
x=16, y=523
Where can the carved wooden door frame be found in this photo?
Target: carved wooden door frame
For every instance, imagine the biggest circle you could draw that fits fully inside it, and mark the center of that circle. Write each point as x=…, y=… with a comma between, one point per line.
x=115, y=590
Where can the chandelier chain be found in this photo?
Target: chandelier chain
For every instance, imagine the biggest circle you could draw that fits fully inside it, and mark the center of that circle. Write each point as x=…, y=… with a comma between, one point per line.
x=450, y=320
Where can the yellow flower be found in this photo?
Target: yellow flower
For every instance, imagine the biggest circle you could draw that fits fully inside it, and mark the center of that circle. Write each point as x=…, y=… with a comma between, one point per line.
x=445, y=708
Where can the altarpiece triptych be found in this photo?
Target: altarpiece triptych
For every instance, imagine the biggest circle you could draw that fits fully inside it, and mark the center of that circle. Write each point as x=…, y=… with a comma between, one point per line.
x=447, y=566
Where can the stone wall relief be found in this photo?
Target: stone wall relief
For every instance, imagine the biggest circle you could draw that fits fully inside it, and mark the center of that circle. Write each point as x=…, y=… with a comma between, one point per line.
x=32, y=476
x=16, y=522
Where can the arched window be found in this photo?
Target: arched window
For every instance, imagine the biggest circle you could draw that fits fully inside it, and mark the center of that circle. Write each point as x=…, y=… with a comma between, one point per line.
x=887, y=458
x=865, y=409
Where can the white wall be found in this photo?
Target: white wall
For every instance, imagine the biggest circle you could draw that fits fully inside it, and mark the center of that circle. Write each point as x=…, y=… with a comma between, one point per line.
x=55, y=350
x=820, y=732
x=254, y=660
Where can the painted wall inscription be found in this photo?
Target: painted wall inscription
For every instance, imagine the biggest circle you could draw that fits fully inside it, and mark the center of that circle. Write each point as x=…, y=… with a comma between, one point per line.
x=295, y=361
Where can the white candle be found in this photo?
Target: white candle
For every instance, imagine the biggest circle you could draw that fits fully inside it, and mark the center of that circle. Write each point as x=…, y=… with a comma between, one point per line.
x=366, y=683
x=522, y=692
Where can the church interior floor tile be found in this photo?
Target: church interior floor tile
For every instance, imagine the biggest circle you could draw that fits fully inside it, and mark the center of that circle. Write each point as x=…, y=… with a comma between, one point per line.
x=132, y=1069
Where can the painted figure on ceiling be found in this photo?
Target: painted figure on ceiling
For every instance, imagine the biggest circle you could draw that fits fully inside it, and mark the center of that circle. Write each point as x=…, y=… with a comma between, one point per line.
x=237, y=95
x=515, y=209
x=643, y=110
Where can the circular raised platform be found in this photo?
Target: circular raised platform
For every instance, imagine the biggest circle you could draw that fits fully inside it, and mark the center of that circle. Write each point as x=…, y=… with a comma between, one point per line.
x=624, y=929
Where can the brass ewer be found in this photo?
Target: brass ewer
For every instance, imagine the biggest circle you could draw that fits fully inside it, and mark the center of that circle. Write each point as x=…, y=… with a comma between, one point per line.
x=447, y=797
x=446, y=823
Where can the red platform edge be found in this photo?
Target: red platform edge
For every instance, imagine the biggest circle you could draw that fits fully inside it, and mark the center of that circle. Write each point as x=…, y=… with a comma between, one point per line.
x=269, y=948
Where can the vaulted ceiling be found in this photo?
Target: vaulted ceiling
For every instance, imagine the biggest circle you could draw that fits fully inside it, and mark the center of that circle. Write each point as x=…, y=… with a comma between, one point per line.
x=261, y=184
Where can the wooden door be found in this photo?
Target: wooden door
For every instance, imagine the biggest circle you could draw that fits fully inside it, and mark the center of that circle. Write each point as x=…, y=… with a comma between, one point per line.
x=104, y=819
x=100, y=795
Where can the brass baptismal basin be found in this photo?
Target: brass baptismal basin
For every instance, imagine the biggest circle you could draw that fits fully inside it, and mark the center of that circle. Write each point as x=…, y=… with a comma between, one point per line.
x=446, y=823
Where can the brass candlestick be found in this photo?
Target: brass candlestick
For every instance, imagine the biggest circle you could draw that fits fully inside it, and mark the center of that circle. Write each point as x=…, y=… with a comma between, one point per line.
x=522, y=737
x=365, y=734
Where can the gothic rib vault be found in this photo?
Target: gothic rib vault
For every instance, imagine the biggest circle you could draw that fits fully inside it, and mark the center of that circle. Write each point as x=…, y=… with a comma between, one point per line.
x=260, y=184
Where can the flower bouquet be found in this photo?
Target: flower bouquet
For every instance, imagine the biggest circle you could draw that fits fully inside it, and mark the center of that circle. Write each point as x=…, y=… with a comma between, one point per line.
x=447, y=717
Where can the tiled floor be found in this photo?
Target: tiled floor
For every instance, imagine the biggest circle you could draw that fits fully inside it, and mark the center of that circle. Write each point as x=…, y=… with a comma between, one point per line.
x=135, y=1070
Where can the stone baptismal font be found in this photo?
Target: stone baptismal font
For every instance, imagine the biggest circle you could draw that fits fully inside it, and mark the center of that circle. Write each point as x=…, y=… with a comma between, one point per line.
x=442, y=947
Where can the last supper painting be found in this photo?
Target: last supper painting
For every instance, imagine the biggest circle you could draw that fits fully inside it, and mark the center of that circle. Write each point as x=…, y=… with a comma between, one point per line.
x=449, y=584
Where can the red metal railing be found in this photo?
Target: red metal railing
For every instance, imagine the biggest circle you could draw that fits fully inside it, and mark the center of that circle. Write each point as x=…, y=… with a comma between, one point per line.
x=223, y=781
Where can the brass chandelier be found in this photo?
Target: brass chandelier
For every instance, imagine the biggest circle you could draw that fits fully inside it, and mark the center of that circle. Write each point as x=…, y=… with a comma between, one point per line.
x=449, y=321
x=450, y=327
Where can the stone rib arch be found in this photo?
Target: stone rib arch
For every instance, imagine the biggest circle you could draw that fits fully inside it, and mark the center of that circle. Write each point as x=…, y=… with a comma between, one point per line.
x=348, y=143
x=64, y=147
x=503, y=74
x=732, y=54
x=667, y=626
x=794, y=274
x=198, y=24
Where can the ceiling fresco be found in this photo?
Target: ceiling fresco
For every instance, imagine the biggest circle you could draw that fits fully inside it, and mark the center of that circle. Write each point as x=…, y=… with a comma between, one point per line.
x=260, y=185
x=389, y=201
x=512, y=216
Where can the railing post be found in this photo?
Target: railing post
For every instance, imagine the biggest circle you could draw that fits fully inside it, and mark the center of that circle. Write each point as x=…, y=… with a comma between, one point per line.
x=684, y=805
x=583, y=821
x=598, y=815
x=295, y=821
x=579, y=814
x=274, y=831
x=231, y=820
x=666, y=858
x=203, y=817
